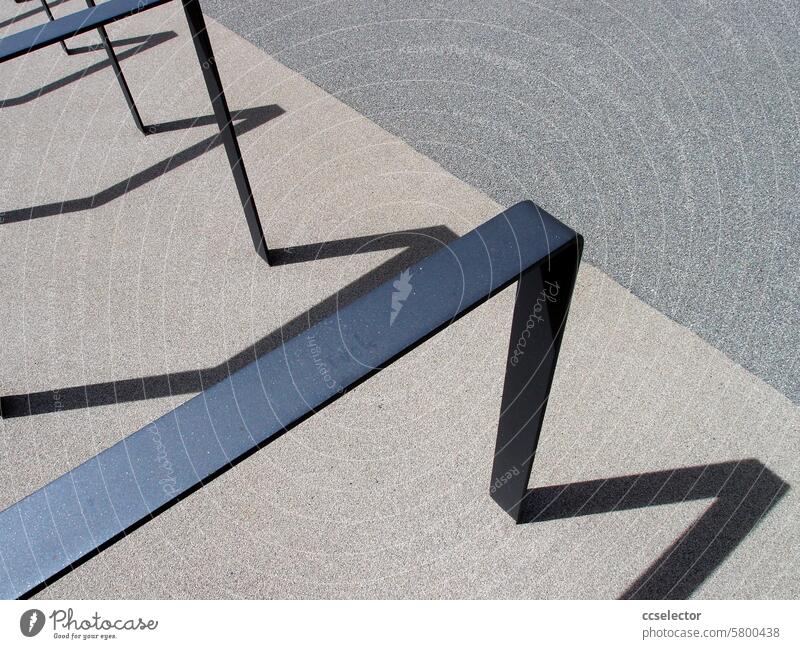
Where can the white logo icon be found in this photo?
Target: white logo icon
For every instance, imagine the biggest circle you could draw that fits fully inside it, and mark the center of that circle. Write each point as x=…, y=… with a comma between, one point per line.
x=31, y=622
x=402, y=289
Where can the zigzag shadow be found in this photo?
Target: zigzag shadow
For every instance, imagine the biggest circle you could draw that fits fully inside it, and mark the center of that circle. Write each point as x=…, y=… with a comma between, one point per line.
x=28, y=14
x=744, y=492
x=251, y=118
x=144, y=43
x=417, y=245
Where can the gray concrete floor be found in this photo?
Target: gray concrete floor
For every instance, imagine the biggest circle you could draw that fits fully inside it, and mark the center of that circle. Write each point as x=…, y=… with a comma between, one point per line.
x=118, y=267
x=666, y=132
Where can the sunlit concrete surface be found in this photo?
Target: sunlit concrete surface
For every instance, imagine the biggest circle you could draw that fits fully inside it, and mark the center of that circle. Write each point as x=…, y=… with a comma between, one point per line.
x=126, y=260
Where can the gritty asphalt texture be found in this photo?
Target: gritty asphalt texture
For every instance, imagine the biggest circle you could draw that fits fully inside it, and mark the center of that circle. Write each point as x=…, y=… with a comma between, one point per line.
x=666, y=132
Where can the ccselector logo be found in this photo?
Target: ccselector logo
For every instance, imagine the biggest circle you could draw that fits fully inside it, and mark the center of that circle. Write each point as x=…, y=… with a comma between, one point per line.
x=31, y=622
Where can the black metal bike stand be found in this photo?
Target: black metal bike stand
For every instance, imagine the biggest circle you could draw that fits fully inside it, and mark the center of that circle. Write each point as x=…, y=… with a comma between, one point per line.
x=124, y=486
x=96, y=17
x=112, y=57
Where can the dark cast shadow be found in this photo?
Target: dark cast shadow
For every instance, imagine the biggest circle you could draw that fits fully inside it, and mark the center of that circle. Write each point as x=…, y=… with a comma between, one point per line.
x=247, y=119
x=28, y=14
x=415, y=244
x=743, y=492
x=142, y=43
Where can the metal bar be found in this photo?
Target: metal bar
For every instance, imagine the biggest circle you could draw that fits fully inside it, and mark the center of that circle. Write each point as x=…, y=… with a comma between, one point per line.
x=544, y=293
x=50, y=16
x=95, y=17
x=124, y=486
x=86, y=20
x=208, y=64
x=114, y=64
x=126, y=91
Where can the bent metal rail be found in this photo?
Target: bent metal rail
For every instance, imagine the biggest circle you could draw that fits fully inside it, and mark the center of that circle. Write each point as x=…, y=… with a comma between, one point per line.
x=124, y=486
x=96, y=17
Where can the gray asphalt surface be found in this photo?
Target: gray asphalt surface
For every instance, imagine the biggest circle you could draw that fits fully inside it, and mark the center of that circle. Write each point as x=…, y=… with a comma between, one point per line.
x=667, y=133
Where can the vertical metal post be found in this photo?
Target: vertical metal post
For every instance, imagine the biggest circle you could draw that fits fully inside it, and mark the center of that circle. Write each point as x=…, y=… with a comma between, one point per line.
x=540, y=315
x=202, y=43
x=114, y=64
x=126, y=91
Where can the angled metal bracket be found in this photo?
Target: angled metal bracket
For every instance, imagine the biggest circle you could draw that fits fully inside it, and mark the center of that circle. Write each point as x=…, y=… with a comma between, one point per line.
x=96, y=17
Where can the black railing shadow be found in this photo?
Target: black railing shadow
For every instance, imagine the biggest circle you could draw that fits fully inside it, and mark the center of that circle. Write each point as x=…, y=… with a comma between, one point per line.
x=142, y=43
x=248, y=119
x=743, y=493
x=416, y=244
x=148, y=40
x=24, y=15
